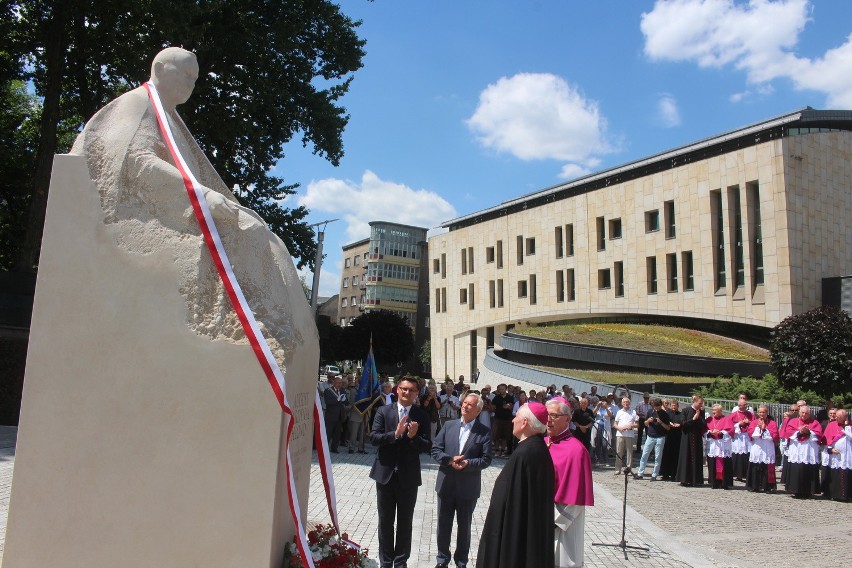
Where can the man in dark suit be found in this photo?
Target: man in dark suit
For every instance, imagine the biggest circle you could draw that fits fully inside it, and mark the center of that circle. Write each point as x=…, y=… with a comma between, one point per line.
x=335, y=401
x=463, y=448
x=401, y=432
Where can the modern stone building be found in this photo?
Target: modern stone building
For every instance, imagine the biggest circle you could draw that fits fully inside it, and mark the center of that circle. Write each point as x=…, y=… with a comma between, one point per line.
x=740, y=228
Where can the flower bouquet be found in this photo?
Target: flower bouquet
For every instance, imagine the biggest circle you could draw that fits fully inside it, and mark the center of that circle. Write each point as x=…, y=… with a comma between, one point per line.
x=328, y=551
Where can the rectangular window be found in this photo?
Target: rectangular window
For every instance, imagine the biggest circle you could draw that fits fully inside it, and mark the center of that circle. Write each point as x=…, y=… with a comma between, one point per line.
x=444, y=299
x=463, y=296
x=618, y=269
x=437, y=300
x=470, y=259
x=614, y=229
x=489, y=254
x=570, y=283
x=500, y=293
x=560, y=286
x=686, y=266
x=756, y=231
x=671, y=271
x=569, y=239
x=443, y=265
x=652, y=221
x=342, y=322
x=522, y=288
x=530, y=246
x=353, y=301
x=601, y=232
x=737, y=236
x=651, y=272
x=718, y=238
x=499, y=254
x=471, y=300
x=436, y=266
x=669, y=214
x=464, y=261
x=492, y=294
x=557, y=241
x=604, y=279
x=346, y=282
x=347, y=263
x=355, y=280
x=519, y=243
x=343, y=303
x=533, y=289
x=357, y=260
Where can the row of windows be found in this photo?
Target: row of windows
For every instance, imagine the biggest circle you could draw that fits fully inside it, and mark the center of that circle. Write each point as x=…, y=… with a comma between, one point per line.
x=354, y=281
x=566, y=285
x=351, y=301
x=356, y=260
x=395, y=242
x=729, y=221
x=563, y=240
x=727, y=212
x=380, y=293
x=381, y=270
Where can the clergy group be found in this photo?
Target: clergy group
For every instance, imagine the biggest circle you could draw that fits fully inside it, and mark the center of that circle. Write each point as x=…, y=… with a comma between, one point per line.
x=553, y=439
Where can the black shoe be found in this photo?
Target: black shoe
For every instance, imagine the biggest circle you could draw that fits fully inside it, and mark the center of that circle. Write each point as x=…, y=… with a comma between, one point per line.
x=439, y=565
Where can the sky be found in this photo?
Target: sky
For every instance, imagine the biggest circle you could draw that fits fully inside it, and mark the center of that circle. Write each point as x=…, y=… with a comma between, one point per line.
x=463, y=104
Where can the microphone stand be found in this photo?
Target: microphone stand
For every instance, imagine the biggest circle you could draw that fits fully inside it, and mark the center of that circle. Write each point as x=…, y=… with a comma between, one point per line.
x=623, y=544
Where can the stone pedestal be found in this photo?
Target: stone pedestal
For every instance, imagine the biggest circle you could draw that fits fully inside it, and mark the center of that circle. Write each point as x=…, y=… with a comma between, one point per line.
x=142, y=443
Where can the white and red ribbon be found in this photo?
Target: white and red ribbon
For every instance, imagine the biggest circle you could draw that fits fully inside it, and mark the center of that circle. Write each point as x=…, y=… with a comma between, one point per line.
x=258, y=343
x=321, y=440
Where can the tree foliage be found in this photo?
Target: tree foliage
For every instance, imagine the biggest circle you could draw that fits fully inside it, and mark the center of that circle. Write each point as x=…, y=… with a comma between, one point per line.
x=766, y=389
x=813, y=351
x=393, y=340
x=270, y=71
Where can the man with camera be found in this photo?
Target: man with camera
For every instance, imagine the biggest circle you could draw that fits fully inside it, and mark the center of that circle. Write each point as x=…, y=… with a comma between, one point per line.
x=657, y=424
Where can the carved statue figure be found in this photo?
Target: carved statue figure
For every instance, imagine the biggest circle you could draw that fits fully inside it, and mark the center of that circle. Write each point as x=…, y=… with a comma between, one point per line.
x=143, y=197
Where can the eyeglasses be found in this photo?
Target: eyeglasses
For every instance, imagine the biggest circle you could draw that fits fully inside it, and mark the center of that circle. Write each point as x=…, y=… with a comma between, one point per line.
x=556, y=416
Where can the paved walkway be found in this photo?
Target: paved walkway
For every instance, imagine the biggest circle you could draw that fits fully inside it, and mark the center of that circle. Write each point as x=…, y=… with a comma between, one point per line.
x=681, y=527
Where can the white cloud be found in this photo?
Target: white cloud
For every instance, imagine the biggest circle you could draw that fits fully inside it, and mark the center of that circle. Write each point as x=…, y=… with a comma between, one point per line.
x=758, y=37
x=539, y=116
x=573, y=171
x=374, y=199
x=667, y=111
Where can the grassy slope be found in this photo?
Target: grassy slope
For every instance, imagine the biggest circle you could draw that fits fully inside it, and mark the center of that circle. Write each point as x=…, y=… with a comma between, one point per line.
x=661, y=339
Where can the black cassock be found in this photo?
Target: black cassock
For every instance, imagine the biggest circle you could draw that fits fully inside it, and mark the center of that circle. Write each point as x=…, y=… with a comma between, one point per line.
x=671, y=451
x=690, y=463
x=518, y=530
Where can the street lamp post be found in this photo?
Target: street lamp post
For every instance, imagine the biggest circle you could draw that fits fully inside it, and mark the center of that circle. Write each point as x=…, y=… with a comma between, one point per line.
x=318, y=263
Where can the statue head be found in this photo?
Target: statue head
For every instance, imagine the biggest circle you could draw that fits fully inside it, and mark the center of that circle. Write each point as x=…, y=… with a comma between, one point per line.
x=174, y=72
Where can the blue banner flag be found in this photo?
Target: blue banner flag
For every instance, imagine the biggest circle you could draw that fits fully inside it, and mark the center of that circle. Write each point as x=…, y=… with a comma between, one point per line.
x=368, y=388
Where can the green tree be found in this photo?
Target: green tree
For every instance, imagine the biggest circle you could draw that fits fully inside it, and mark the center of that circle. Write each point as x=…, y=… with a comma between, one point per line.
x=425, y=354
x=270, y=70
x=766, y=389
x=813, y=351
x=393, y=340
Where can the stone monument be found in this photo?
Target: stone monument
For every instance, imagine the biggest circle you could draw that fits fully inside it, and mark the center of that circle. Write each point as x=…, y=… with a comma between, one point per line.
x=149, y=435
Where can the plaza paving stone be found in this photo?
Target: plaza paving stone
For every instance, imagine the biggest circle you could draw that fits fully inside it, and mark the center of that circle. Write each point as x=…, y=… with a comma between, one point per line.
x=681, y=527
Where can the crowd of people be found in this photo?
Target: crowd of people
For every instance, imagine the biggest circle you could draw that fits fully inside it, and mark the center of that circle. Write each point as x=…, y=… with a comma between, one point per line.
x=465, y=428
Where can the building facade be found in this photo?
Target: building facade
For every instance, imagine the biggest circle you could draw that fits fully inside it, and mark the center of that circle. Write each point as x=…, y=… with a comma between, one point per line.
x=391, y=275
x=353, y=289
x=741, y=228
